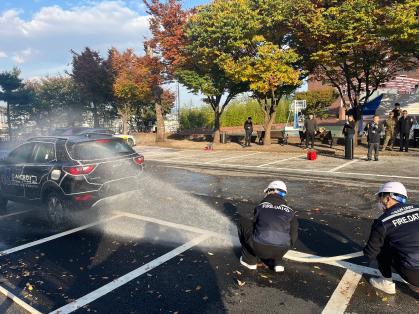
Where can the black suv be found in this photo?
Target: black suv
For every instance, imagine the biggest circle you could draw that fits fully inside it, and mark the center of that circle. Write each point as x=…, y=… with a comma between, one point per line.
x=68, y=172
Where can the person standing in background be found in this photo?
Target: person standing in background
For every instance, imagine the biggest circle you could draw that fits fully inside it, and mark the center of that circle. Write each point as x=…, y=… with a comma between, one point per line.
x=373, y=130
x=397, y=112
x=405, y=125
x=310, y=128
x=248, y=129
x=349, y=132
x=390, y=125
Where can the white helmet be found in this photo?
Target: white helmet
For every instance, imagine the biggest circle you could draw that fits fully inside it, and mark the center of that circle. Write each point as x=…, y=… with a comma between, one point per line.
x=276, y=185
x=393, y=187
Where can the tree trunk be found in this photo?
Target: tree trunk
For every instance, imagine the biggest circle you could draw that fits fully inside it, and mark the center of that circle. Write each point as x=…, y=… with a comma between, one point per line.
x=9, y=122
x=124, y=123
x=216, y=133
x=160, y=123
x=267, y=125
x=95, y=116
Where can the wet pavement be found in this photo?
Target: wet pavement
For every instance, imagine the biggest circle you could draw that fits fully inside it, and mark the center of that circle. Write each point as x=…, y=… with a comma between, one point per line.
x=168, y=247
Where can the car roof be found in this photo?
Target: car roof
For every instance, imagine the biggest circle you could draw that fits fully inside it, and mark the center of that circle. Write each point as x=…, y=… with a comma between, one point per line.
x=72, y=131
x=73, y=139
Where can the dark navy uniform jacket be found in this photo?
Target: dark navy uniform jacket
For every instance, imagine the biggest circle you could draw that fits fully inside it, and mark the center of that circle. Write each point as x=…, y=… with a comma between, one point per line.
x=396, y=230
x=275, y=223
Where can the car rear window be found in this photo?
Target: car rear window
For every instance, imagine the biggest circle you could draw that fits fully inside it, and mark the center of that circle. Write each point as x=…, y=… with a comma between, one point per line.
x=99, y=149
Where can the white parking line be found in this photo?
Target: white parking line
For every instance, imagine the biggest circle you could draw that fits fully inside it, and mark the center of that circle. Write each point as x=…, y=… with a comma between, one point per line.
x=232, y=157
x=234, y=240
x=16, y=213
x=340, y=298
x=344, y=165
x=55, y=236
x=177, y=226
x=90, y=297
x=279, y=161
x=202, y=154
x=18, y=301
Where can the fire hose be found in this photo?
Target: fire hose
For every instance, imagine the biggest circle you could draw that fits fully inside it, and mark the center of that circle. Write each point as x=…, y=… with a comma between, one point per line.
x=295, y=256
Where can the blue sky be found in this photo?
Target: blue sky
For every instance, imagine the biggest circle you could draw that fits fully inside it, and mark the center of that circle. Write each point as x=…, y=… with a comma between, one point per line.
x=37, y=35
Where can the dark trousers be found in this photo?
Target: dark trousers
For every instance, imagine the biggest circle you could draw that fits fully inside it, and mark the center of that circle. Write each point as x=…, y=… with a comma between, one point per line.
x=385, y=264
x=404, y=141
x=310, y=138
x=373, y=147
x=251, y=250
x=349, y=146
x=247, y=137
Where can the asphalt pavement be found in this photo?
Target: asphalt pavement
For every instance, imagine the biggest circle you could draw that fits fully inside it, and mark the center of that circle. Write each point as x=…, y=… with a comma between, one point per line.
x=171, y=247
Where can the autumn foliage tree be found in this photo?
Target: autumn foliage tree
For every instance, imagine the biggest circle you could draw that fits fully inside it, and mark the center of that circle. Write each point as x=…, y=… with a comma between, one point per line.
x=356, y=45
x=93, y=76
x=269, y=71
x=130, y=86
x=167, y=25
x=180, y=39
x=137, y=84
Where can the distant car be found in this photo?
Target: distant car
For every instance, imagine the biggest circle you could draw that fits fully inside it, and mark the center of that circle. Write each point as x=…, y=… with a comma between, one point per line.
x=84, y=130
x=68, y=172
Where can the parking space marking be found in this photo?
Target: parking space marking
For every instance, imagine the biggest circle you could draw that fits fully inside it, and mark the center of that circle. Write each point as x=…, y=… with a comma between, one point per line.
x=344, y=165
x=340, y=298
x=232, y=157
x=234, y=240
x=279, y=161
x=18, y=301
x=202, y=154
x=92, y=296
x=56, y=236
x=16, y=213
x=174, y=225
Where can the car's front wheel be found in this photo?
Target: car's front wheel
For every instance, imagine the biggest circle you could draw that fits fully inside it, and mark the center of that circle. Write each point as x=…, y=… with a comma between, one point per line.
x=57, y=209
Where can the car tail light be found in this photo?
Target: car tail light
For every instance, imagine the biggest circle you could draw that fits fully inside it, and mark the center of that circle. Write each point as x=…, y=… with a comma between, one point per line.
x=139, y=160
x=80, y=170
x=84, y=197
x=103, y=141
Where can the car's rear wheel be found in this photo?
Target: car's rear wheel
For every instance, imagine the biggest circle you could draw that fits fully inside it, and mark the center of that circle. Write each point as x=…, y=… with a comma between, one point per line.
x=130, y=142
x=57, y=210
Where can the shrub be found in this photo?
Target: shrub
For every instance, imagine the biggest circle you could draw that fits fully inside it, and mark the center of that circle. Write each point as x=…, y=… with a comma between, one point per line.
x=235, y=114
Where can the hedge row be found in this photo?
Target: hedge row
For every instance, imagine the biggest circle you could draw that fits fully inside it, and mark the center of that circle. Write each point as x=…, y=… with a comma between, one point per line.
x=235, y=114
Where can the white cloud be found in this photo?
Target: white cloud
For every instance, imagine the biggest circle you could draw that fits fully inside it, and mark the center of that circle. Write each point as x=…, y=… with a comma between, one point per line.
x=43, y=43
x=22, y=56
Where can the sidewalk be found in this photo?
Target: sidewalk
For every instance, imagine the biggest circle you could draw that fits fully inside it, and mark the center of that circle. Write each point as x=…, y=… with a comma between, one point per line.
x=292, y=148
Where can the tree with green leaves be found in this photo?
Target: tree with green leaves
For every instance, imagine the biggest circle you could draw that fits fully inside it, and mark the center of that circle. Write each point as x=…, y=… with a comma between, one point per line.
x=356, y=45
x=271, y=74
x=56, y=102
x=318, y=101
x=14, y=94
x=190, y=44
x=93, y=76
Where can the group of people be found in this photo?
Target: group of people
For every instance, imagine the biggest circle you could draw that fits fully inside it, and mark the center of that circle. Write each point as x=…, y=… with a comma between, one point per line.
x=398, y=122
x=393, y=241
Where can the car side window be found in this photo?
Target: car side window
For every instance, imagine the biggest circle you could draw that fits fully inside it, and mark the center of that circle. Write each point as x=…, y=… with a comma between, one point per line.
x=22, y=154
x=44, y=152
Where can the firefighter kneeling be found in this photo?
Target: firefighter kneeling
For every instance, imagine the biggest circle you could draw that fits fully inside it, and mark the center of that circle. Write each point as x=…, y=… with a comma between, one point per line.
x=271, y=232
x=394, y=239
